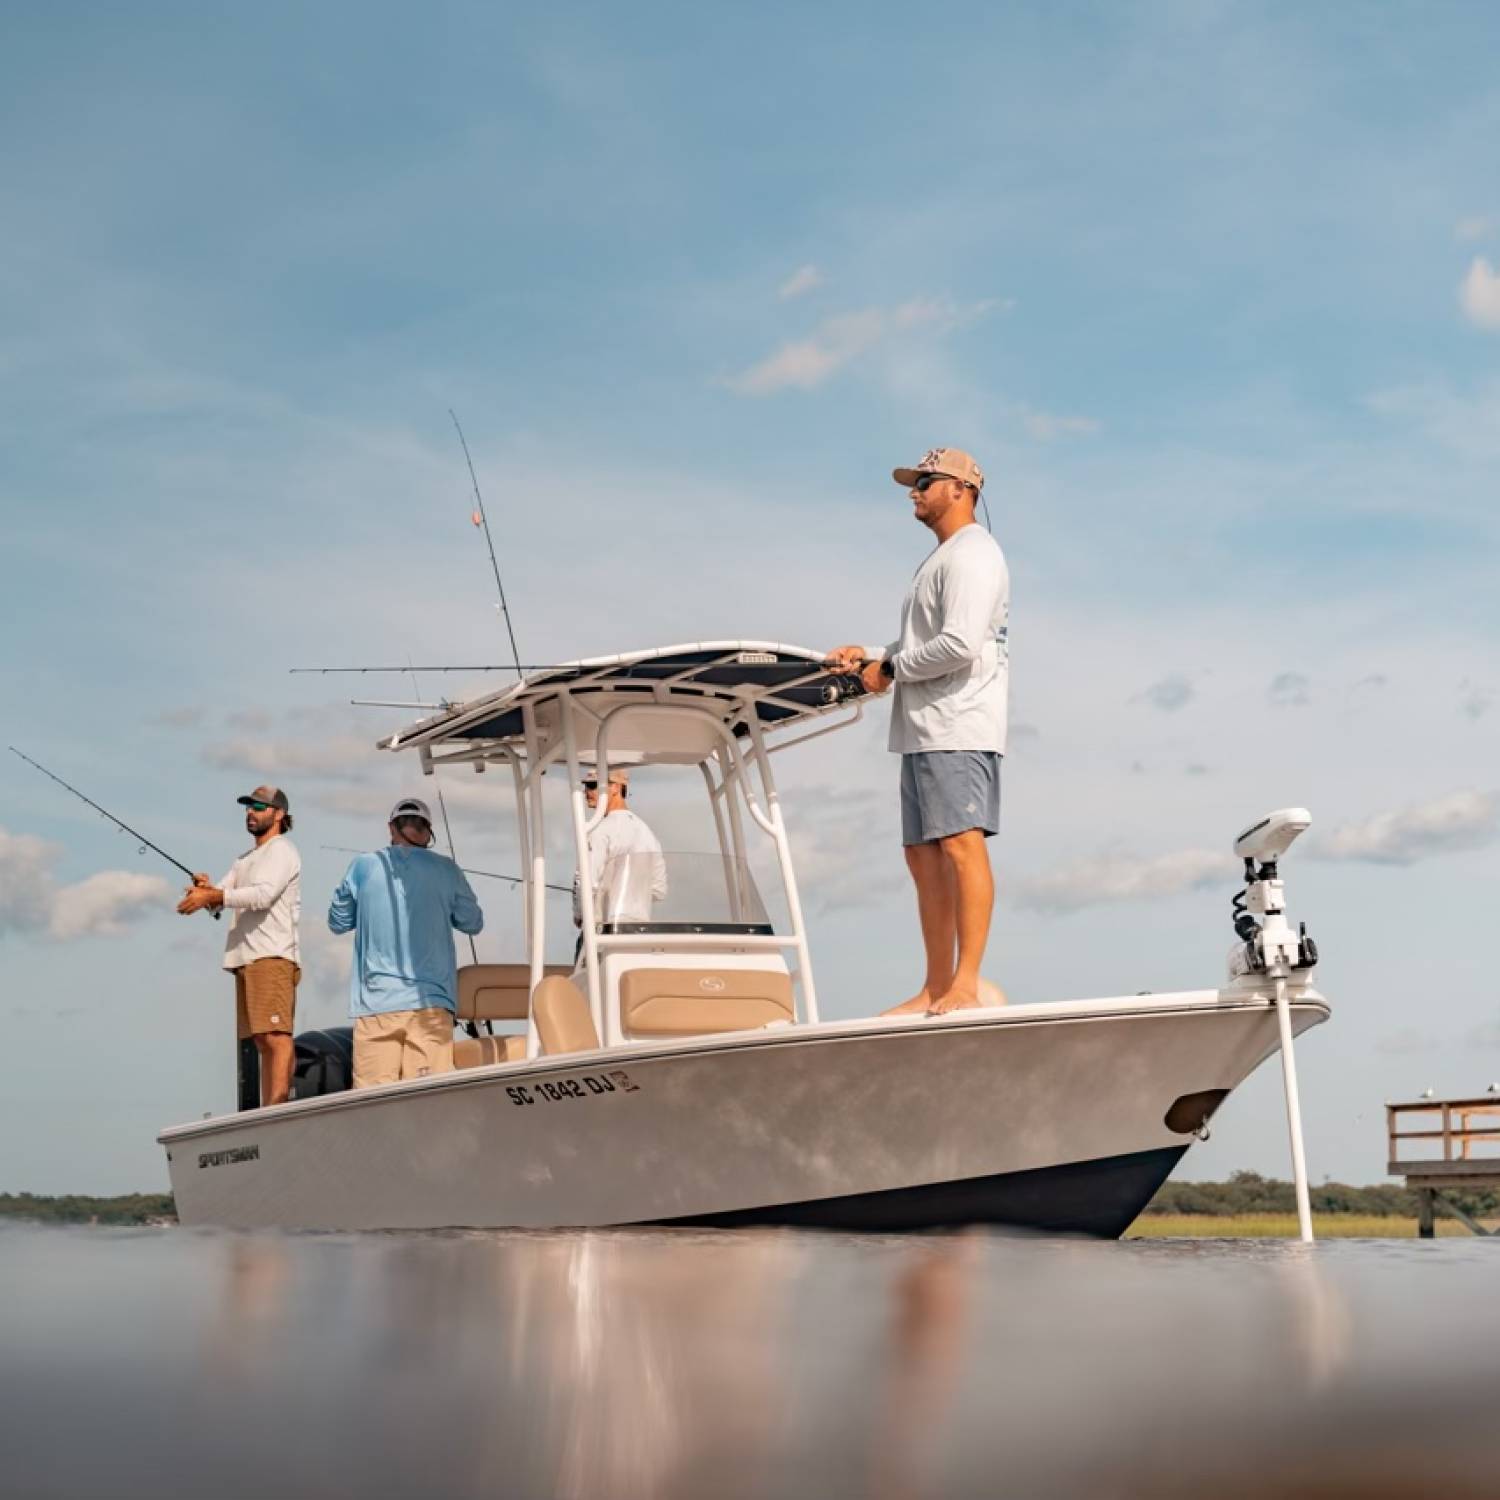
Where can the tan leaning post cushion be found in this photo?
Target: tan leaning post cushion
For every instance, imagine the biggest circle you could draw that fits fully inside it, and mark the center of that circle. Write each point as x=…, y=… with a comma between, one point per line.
x=497, y=992
x=690, y=1002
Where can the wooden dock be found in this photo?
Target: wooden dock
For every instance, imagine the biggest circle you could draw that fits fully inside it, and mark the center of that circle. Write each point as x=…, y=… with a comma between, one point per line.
x=1450, y=1156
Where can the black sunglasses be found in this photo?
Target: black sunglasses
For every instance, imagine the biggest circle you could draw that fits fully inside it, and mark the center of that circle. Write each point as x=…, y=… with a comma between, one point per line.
x=926, y=481
x=591, y=786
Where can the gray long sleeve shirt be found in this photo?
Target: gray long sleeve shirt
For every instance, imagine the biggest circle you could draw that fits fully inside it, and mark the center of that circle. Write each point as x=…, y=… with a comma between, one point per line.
x=951, y=660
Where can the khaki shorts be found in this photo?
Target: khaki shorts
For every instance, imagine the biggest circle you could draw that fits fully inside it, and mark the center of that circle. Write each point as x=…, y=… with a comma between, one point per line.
x=402, y=1044
x=265, y=996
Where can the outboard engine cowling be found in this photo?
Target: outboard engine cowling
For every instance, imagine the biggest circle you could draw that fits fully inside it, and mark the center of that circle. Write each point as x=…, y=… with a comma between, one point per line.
x=324, y=1062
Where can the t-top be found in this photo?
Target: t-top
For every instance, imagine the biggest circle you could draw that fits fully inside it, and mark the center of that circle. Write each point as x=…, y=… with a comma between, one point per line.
x=951, y=660
x=402, y=904
x=263, y=895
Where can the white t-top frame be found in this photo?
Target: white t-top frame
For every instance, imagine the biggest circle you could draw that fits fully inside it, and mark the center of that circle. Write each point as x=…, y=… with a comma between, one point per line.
x=576, y=717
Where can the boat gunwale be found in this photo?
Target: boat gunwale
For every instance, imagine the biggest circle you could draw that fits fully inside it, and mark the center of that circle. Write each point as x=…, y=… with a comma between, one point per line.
x=878, y=1028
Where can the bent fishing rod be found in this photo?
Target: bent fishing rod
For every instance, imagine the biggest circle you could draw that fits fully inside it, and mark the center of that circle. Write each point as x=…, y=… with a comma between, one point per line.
x=124, y=827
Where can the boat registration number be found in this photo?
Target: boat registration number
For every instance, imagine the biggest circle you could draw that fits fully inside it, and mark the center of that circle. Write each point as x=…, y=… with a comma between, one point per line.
x=584, y=1086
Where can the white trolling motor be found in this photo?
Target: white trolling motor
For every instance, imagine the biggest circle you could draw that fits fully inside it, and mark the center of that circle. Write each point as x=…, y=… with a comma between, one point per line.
x=1268, y=946
x=1268, y=943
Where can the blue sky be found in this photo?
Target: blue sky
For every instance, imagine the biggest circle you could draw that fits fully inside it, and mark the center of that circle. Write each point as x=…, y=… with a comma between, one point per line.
x=1210, y=289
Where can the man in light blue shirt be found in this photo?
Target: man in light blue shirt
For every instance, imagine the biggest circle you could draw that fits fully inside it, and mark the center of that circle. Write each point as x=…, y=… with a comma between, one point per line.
x=402, y=903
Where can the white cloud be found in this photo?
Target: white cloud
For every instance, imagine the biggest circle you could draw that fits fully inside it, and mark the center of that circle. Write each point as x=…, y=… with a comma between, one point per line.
x=803, y=364
x=1446, y=825
x=1047, y=427
x=1475, y=227
x=802, y=280
x=103, y=905
x=1288, y=690
x=106, y=904
x=1112, y=877
x=26, y=885
x=1170, y=693
x=1479, y=294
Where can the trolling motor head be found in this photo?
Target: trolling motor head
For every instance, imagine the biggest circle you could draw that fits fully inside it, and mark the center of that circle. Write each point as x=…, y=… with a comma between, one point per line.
x=1267, y=942
x=1273, y=835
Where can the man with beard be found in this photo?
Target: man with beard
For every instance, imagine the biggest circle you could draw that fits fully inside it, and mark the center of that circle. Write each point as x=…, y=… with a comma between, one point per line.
x=263, y=893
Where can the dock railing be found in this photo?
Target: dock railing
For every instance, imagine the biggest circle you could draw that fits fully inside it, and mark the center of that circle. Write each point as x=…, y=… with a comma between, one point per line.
x=1456, y=1133
x=1463, y=1151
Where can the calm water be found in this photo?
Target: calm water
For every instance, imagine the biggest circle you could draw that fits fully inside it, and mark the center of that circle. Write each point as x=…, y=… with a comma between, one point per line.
x=622, y=1364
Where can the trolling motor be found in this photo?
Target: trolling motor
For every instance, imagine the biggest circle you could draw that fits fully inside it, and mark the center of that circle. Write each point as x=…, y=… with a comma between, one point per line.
x=1268, y=946
x=1266, y=940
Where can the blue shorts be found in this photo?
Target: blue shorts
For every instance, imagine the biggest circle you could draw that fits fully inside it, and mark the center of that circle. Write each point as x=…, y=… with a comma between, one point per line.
x=944, y=792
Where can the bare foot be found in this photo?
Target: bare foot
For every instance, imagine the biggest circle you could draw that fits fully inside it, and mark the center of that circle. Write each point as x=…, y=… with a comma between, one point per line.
x=961, y=996
x=918, y=1005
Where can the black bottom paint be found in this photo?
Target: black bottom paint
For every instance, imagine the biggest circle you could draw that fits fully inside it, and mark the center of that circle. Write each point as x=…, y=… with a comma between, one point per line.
x=1098, y=1197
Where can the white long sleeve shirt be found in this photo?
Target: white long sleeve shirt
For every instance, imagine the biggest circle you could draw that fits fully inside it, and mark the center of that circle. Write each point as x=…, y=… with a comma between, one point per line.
x=263, y=895
x=627, y=869
x=951, y=660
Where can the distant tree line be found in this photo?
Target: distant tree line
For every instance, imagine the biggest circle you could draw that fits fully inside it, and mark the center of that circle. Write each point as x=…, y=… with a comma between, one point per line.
x=130, y=1208
x=1244, y=1193
x=1250, y=1193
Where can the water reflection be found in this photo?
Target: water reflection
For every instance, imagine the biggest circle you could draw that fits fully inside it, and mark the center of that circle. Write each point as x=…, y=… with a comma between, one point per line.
x=740, y=1364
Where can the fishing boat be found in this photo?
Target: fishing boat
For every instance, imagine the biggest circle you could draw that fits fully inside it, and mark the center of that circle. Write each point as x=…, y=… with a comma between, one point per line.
x=680, y=1073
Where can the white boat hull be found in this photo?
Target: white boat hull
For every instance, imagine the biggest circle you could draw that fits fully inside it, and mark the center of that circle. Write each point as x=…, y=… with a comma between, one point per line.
x=1046, y=1117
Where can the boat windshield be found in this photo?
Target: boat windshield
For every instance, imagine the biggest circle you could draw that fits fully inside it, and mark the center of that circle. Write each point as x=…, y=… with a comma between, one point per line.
x=677, y=891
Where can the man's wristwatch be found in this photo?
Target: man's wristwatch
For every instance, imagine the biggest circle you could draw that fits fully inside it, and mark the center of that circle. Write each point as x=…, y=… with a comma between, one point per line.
x=886, y=669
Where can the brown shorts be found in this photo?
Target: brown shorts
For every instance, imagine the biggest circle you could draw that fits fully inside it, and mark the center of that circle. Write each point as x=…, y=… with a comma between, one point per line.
x=265, y=996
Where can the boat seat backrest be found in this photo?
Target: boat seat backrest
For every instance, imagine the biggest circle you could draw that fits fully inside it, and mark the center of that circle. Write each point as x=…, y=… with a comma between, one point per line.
x=563, y=1020
x=690, y=1002
x=497, y=992
x=482, y=1051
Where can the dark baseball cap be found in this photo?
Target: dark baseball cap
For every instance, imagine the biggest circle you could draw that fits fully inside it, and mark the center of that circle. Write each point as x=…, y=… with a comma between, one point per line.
x=272, y=796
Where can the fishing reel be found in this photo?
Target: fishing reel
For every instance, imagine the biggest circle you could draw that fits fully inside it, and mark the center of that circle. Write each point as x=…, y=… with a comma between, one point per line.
x=1267, y=943
x=843, y=687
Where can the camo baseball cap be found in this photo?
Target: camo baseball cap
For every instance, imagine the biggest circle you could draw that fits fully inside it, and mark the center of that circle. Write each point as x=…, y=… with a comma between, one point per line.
x=953, y=462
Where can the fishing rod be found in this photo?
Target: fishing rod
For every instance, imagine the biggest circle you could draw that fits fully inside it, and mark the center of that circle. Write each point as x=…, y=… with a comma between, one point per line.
x=482, y=520
x=566, y=890
x=140, y=838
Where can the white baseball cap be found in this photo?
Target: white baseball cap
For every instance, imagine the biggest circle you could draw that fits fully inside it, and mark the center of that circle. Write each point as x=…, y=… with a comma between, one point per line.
x=411, y=807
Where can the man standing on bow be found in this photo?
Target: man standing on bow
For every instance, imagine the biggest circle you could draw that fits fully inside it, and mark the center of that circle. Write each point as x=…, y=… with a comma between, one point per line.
x=263, y=893
x=949, y=667
x=403, y=904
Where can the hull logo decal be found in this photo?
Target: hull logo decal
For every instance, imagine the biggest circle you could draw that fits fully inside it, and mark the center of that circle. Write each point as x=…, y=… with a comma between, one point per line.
x=229, y=1157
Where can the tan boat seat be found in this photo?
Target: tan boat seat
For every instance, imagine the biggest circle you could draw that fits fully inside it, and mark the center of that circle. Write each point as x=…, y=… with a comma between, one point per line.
x=563, y=1020
x=497, y=992
x=691, y=1002
x=482, y=1051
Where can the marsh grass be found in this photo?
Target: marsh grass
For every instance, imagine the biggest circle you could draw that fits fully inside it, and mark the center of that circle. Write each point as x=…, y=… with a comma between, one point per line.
x=1281, y=1226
